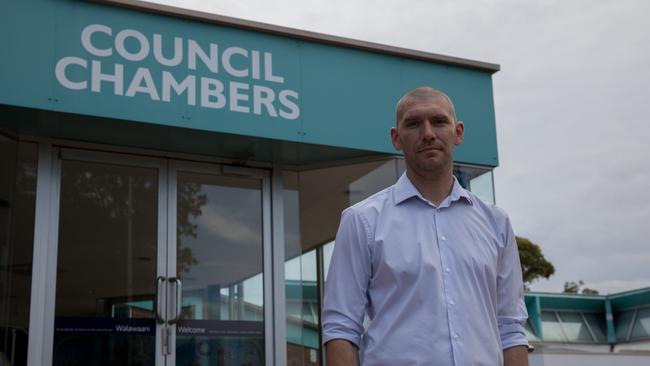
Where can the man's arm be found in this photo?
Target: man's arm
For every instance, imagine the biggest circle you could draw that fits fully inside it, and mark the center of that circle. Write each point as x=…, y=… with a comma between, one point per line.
x=345, y=295
x=513, y=356
x=341, y=353
x=511, y=309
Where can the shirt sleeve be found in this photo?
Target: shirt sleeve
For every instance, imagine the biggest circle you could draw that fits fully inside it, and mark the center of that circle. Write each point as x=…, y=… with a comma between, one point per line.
x=511, y=308
x=347, y=281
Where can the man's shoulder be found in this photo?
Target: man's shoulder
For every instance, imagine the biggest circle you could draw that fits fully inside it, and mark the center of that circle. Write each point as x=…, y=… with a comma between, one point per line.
x=486, y=206
x=497, y=215
x=373, y=205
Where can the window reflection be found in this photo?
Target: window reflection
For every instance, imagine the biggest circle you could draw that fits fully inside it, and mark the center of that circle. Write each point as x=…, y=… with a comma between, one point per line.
x=328, y=249
x=17, y=205
x=623, y=322
x=551, y=327
x=478, y=180
x=106, y=264
x=573, y=326
x=220, y=247
x=313, y=203
x=483, y=186
x=641, y=325
x=597, y=324
x=220, y=262
x=107, y=240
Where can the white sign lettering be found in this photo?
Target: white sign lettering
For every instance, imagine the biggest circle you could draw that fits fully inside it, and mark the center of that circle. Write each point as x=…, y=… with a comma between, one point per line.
x=134, y=46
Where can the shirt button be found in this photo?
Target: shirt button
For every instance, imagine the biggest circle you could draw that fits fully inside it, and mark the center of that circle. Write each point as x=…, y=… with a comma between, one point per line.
x=452, y=302
x=443, y=238
x=456, y=336
x=447, y=270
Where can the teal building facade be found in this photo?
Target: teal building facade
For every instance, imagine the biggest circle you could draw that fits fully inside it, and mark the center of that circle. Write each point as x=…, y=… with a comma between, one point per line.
x=171, y=181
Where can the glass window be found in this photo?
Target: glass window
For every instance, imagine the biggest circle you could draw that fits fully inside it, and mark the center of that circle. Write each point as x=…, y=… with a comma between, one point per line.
x=301, y=286
x=313, y=202
x=325, y=193
x=372, y=182
x=401, y=166
x=328, y=249
x=642, y=324
x=575, y=327
x=622, y=323
x=17, y=205
x=106, y=264
x=220, y=262
x=551, y=327
x=477, y=180
x=598, y=326
x=483, y=186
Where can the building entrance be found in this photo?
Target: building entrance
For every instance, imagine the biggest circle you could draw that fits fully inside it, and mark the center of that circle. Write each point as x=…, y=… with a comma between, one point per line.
x=158, y=262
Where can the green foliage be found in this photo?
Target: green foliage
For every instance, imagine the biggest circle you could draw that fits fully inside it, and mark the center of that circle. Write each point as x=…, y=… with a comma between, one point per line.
x=573, y=287
x=533, y=263
x=589, y=291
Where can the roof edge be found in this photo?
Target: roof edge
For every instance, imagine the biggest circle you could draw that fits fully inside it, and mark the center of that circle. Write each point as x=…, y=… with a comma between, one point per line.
x=301, y=34
x=629, y=292
x=566, y=295
x=589, y=297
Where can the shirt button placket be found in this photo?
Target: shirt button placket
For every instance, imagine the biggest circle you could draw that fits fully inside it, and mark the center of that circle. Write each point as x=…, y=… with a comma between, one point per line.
x=442, y=247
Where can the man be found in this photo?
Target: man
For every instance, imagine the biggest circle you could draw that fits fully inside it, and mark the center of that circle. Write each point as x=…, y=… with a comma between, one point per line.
x=435, y=268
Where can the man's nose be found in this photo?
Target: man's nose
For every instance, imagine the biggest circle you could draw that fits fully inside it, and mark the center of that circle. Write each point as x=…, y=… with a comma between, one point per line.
x=427, y=131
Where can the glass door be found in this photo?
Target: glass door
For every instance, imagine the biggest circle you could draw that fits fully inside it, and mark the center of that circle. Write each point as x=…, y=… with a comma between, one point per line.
x=219, y=240
x=109, y=250
x=17, y=192
x=158, y=262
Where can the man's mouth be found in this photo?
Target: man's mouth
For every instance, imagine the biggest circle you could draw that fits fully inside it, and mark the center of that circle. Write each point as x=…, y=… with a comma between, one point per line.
x=428, y=148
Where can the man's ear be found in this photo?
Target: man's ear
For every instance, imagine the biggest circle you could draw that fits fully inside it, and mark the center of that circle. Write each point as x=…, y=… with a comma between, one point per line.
x=394, y=138
x=460, y=132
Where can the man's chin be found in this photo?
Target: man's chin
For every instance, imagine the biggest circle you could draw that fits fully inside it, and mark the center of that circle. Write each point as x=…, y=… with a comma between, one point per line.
x=431, y=166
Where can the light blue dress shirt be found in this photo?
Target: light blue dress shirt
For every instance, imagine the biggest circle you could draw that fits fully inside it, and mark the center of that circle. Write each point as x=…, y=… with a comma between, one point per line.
x=441, y=285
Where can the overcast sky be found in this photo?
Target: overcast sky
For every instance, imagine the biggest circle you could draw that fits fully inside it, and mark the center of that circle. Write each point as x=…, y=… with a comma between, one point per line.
x=572, y=104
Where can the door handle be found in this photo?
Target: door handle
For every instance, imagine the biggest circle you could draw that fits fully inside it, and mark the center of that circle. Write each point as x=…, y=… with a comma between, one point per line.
x=178, y=287
x=159, y=312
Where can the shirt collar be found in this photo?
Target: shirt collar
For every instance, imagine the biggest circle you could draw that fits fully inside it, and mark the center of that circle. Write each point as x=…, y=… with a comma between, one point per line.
x=404, y=189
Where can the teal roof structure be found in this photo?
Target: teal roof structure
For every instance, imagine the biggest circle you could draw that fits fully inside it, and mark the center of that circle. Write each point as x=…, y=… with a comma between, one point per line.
x=574, y=318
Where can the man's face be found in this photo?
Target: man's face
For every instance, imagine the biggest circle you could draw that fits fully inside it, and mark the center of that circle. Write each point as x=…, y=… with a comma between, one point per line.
x=427, y=134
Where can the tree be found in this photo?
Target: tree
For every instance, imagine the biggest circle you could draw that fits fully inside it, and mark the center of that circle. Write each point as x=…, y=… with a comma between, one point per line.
x=573, y=287
x=533, y=263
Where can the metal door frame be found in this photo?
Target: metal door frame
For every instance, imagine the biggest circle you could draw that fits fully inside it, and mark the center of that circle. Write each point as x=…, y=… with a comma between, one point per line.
x=219, y=169
x=48, y=190
x=46, y=227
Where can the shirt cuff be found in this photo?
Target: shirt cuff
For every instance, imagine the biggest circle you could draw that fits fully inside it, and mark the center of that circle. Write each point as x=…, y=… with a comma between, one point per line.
x=512, y=335
x=332, y=330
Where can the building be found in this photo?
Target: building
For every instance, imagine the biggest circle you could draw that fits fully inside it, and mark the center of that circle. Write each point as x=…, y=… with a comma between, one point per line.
x=171, y=181
x=593, y=330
